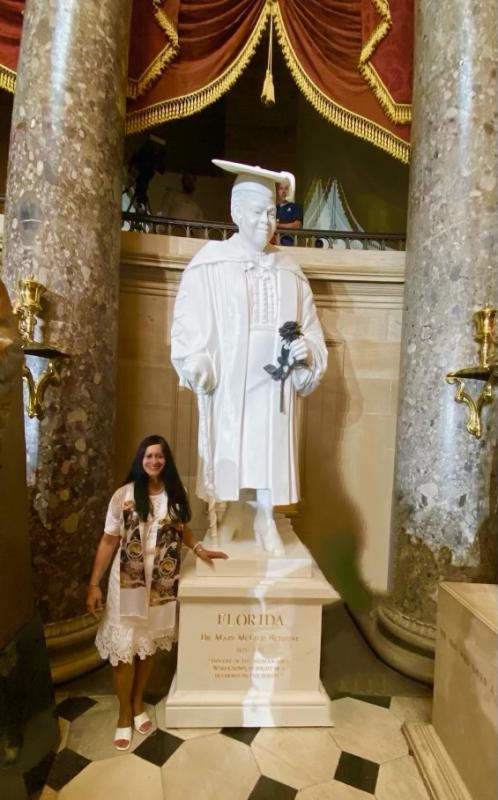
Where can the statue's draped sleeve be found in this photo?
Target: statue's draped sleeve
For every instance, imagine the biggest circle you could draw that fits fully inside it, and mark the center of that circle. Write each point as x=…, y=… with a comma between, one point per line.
x=191, y=332
x=306, y=379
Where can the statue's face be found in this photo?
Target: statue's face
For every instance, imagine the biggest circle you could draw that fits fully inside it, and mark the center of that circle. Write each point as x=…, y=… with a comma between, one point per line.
x=255, y=215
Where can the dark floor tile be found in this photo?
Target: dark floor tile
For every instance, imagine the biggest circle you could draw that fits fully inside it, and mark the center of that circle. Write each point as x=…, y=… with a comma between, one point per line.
x=67, y=764
x=358, y=772
x=73, y=707
x=36, y=778
x=375, y=699
x=245, y=735
x=158, y=747
x=267, y=789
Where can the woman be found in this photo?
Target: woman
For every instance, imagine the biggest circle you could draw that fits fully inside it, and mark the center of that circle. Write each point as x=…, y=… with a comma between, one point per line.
x=147, y=517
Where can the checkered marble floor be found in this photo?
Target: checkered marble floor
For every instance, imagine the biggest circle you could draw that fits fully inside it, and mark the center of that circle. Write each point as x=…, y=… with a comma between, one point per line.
x=364, y=755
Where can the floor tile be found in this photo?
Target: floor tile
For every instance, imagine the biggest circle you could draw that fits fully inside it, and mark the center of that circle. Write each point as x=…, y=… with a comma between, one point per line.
x=92, y=734
x=210, y=768
x=128, y=778
x=64, y=728
x=72, y=707
x=358, y=772
x=332, y=790
x=400, y=780
x=367, y=731
x=297, y=757
x=36, y=778
x=412, y=709
x=245, y=735
x=66, y=765
x=267, y=789
x=384, y=701
x=48, y=794
x=158, y=747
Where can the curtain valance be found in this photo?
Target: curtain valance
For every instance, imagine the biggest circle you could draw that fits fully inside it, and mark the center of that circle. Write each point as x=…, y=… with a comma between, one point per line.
x=352, y=59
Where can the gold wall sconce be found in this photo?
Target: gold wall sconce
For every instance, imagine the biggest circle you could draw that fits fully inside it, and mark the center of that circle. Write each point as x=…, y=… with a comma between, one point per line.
x=486, y=371
x=26, y=311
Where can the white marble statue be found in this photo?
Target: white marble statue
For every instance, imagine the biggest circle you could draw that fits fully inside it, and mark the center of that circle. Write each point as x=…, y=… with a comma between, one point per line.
x=233, y=298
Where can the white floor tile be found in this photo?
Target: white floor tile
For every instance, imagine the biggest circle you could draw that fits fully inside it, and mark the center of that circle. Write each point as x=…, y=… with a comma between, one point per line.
x=367, y=730
x=333, y=790
x=92, y=733
x=210, y=768
x=128, y=778
x=400, y=780
x=298, y=757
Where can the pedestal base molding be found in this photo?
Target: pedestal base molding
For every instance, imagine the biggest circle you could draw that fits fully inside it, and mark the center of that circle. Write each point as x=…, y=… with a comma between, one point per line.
x=71, y=647
x=404, y=643
x=436, y=767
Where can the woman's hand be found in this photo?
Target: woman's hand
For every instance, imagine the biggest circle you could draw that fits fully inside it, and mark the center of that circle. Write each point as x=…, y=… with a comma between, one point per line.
x=208, y=555
x=94, y=601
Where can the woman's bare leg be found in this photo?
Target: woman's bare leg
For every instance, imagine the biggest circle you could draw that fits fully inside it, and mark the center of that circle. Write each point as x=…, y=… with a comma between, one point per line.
x=143, y=668
x=124, y=675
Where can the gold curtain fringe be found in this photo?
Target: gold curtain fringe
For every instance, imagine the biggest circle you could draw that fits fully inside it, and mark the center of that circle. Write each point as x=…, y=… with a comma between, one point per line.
x=338, y=115
x=7, y=79
x=189, y=104
x=138, y=86
x=379, y=32
x=399, y=113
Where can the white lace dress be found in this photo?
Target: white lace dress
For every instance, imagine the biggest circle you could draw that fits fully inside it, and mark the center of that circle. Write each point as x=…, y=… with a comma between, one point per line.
x=121, y=639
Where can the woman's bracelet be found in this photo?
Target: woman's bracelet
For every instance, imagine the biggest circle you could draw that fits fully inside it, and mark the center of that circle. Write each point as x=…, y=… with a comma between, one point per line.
x=196, y=545
x=94, y=585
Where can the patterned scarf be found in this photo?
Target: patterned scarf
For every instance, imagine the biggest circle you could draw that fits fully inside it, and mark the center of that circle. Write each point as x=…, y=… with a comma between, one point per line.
x=136, y=599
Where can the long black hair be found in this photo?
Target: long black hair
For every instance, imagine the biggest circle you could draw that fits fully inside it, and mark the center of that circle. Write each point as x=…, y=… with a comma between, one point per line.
x=178, y=504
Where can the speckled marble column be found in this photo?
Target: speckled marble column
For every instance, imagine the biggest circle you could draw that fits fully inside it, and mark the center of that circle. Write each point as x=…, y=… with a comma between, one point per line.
x=445, y=521
x=65, y=176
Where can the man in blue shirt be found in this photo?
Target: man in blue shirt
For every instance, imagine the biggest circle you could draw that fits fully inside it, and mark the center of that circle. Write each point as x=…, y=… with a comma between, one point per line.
x=289, y=214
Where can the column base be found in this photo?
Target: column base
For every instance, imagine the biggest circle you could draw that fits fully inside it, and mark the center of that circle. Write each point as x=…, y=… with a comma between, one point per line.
x=71, y=647
x=402, y=642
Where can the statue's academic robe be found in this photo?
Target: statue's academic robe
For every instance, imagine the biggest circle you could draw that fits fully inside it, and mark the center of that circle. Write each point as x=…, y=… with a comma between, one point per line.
x=212, y=318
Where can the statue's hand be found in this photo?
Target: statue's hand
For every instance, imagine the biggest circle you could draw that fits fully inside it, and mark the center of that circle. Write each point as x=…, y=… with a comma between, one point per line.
x=299, y=351
x=199, y=374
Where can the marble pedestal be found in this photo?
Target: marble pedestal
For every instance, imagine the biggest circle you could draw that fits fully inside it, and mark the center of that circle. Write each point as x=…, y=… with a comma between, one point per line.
x=249, y=640
x=457, y=753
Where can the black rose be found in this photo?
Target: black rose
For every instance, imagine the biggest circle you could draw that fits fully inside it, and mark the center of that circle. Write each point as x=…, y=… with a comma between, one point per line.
x=290, y=331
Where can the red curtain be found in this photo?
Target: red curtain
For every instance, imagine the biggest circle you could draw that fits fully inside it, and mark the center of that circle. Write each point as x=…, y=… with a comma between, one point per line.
x=350, y=58
x=387, y=54
x=11, y=16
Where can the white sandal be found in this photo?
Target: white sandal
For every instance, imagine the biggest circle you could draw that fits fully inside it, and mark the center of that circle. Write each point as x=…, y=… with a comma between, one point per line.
x=140, y=720
x=123, y=735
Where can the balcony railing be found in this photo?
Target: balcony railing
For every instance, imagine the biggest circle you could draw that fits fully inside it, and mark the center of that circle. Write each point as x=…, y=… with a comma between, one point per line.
x=299, y=237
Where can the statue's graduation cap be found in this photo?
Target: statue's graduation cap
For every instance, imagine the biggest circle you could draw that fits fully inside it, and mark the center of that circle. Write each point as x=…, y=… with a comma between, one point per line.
x=257, y=176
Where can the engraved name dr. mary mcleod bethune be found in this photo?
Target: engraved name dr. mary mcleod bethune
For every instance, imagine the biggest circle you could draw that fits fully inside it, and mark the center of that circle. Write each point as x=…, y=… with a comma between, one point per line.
x=234, y=297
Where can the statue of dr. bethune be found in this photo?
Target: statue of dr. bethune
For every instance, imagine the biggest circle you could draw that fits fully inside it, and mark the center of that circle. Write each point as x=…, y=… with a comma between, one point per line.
x=229, y=345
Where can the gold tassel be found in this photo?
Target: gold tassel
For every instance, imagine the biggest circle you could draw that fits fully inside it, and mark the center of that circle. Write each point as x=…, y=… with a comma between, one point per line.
x=268, y=93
